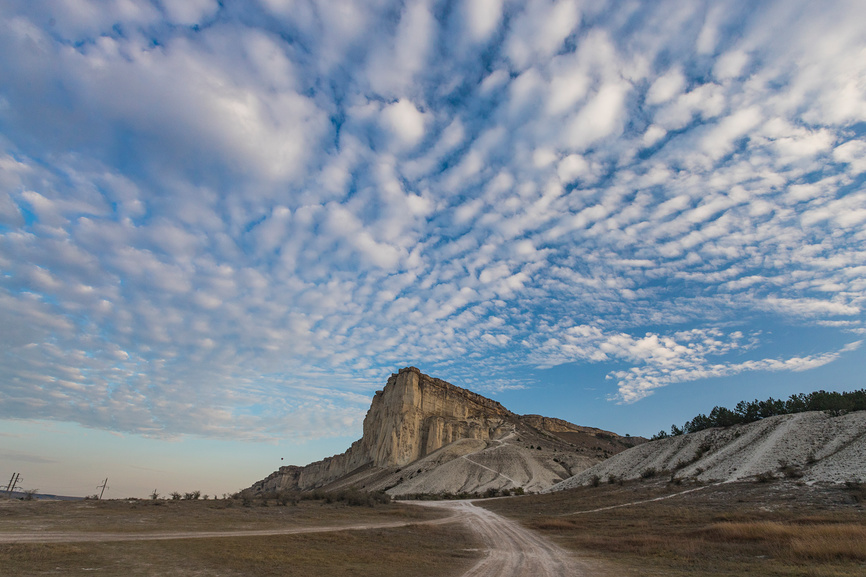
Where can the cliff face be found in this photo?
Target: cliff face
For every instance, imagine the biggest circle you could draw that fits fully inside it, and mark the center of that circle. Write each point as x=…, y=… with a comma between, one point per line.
x=413, y=416
x=416, y=414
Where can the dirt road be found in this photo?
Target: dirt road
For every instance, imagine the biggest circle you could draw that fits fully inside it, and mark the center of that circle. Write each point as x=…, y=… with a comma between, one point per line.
x=511, y=550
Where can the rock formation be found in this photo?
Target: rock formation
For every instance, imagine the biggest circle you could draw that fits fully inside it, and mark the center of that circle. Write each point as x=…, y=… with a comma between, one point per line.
x=455, y=440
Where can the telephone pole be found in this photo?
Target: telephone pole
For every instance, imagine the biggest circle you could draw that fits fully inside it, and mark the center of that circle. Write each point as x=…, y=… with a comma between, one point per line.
x=16, y=478
x=104, y=486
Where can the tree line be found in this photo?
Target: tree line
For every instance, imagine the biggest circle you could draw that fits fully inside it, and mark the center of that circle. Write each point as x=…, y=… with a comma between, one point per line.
x=749, y=412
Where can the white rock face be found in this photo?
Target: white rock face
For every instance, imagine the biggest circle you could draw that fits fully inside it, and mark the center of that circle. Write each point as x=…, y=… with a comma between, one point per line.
x=413, y=416
x=815, y=447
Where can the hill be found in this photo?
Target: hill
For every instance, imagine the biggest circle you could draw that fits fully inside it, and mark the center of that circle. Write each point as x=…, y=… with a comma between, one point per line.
x=815, y=447
x=424, y=435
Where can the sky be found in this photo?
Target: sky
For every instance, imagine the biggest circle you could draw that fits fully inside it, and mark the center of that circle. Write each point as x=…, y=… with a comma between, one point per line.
x=223, y=225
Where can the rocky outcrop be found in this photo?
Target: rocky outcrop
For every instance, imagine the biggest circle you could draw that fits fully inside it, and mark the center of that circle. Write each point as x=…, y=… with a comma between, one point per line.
x=424, y=435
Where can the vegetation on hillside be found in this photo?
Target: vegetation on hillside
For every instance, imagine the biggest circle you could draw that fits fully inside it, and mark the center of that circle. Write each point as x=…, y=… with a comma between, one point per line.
x=749, y=412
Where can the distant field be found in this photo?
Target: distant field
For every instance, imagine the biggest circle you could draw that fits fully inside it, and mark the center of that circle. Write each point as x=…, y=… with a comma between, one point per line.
x=416, y=549
x=758, y=529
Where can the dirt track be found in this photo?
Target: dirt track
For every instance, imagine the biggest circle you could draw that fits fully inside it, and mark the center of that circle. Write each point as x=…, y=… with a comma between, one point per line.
x=512, y=551
x=67, y=537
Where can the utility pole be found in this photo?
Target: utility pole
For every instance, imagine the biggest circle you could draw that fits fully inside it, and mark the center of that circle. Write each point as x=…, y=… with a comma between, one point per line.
x=104, y=486
x=16, y=478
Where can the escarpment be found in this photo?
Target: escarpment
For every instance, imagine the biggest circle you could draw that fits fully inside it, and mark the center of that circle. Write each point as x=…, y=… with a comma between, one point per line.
x=455, y=440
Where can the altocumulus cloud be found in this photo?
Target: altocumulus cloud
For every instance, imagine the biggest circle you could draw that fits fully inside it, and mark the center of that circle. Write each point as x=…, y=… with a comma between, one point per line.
x=232, y=218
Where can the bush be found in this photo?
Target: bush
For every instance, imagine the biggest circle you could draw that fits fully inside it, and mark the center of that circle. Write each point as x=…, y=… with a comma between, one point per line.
x=648, y=473
x=789, y=471
x=765, y=477
x=594, y=480
x=286, y=497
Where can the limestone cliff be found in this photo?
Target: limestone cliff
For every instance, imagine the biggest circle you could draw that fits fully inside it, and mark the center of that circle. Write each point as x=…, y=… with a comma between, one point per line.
x=456, y=440
x=411, y=417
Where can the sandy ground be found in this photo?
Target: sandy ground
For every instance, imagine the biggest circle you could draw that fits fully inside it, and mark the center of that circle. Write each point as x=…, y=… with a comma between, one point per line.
x=512, y=550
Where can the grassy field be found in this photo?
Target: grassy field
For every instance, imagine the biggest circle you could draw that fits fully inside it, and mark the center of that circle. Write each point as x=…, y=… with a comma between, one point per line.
x=423, y=550
x=734, y=529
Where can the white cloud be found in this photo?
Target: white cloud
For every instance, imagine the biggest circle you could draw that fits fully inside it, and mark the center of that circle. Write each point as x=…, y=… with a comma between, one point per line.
x=722, y=137
x=666, y=87
x=602, y=116
x=730, y=65
x=541, y=30
x=482, y=17
x=405, y=122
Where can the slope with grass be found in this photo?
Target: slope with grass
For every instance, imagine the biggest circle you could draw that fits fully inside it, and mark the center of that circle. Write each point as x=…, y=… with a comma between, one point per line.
x=814, y=447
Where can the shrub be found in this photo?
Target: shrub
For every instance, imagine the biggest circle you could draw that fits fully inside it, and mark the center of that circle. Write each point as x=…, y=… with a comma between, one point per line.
x=175, y=496
x=648, y=473
x=765, y=477
x=789, y=471
x=155, y=495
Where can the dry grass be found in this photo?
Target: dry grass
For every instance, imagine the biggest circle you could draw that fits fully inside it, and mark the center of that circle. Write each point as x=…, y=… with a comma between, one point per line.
x=423, y=550
x=825, y=542
x=133, y=516
x=734, y=529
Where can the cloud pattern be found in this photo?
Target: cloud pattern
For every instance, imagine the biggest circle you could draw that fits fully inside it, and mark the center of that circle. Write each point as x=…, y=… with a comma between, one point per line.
x=232, y=218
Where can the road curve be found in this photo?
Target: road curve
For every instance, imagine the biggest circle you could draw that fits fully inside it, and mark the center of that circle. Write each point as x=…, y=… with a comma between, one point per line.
x=512, y=550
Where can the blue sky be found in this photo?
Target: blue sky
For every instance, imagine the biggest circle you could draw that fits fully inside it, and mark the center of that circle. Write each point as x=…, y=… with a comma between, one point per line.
x=224, y=224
